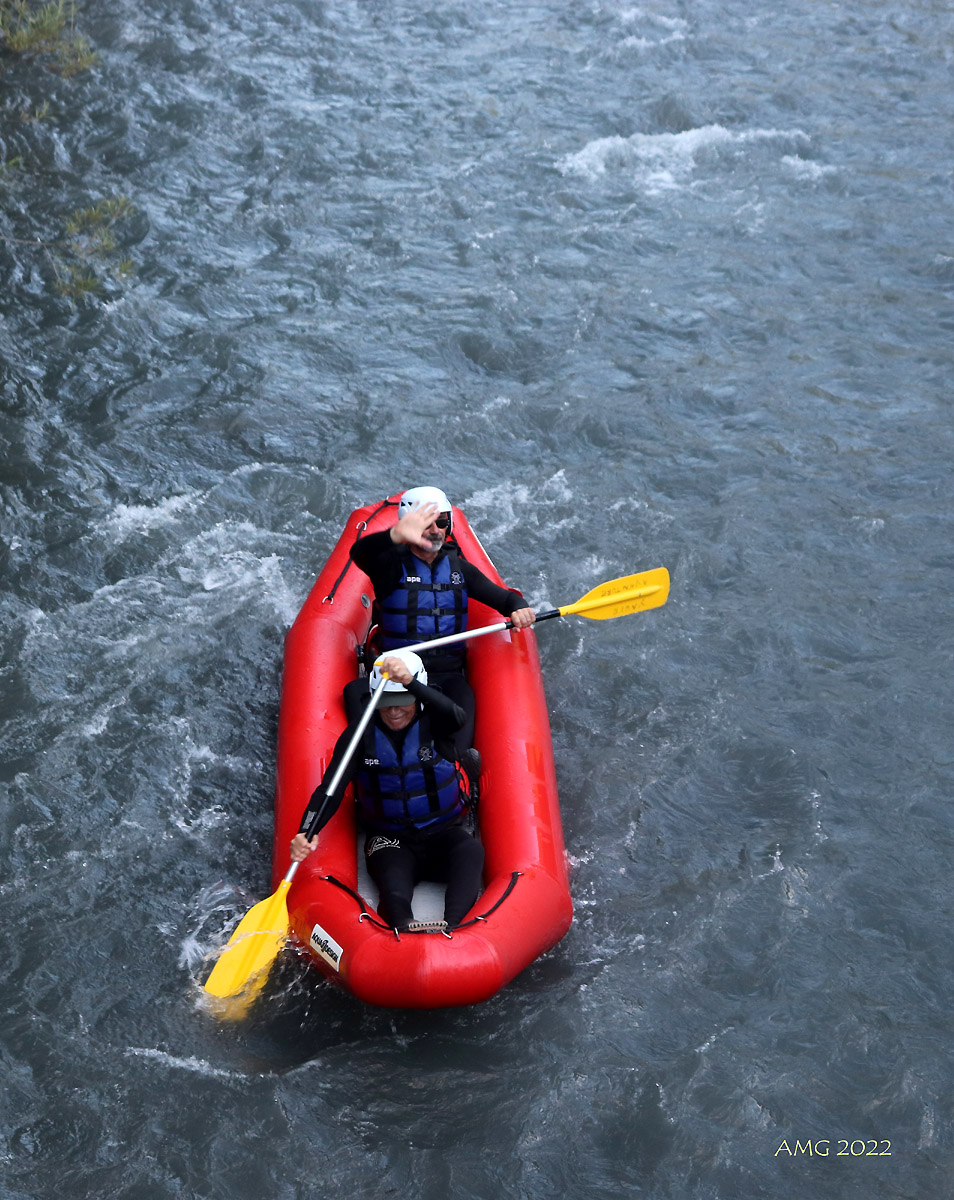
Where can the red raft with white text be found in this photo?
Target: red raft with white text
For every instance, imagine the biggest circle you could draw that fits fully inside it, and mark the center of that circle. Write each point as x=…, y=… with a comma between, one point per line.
x=524, y=908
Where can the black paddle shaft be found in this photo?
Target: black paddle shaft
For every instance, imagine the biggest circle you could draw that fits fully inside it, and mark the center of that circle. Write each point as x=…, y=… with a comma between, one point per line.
x=547, y=613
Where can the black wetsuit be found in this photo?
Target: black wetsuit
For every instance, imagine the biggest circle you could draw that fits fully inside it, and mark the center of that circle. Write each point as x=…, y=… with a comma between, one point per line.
x=381, y=561
x=397, y=861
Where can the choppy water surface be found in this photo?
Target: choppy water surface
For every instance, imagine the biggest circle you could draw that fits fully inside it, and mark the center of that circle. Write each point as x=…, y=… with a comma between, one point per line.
x=640, y=286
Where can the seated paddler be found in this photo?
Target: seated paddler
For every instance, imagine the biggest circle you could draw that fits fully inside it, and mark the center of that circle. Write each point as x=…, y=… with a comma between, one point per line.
x=421, y=586
x=411, y=796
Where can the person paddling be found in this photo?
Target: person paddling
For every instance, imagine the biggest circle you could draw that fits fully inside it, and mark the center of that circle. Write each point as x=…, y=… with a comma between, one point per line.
x=410, y=795
x=422, y=586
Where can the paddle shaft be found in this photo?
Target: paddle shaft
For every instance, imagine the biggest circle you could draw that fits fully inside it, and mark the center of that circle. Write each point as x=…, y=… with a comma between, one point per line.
x=362, y=725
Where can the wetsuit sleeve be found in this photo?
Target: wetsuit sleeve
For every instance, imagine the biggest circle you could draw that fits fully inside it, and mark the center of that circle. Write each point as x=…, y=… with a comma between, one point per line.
x=317, y=796
x=504, y=600
x=446, y=716
x=378, y=557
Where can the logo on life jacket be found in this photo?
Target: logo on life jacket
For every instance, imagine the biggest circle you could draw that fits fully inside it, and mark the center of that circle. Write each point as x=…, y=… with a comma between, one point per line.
x=426, y=754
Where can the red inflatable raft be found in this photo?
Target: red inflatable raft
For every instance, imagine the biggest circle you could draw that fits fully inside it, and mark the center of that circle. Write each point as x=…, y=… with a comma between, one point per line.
x=525, y=906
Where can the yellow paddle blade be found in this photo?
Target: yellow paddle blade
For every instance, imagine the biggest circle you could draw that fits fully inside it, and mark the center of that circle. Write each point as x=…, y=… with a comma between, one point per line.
x=628, y=594
x=253, y=946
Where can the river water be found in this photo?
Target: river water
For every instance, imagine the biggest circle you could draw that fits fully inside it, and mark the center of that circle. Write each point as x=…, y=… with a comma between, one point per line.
x=638, y=285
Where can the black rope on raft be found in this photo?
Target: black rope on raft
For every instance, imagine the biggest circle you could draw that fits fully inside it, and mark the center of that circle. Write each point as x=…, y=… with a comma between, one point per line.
x=365, y=914
x=483, y=916
x=359, y=528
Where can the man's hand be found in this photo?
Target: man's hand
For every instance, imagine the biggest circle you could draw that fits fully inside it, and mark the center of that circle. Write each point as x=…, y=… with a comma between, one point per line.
x=523, y=618
x=410, y=528
x=395, y=668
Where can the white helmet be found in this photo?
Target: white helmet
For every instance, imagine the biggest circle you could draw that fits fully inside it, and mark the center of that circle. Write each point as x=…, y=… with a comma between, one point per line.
x=394, y=692
x=419, y=496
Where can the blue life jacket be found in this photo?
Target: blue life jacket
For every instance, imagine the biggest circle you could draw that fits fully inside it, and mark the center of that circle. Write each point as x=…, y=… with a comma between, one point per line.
x=430, y=601
x=411, y=787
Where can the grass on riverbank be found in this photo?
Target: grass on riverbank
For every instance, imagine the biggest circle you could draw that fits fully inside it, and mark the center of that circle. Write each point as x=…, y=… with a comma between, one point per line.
x=48, y=31
x=89, y=260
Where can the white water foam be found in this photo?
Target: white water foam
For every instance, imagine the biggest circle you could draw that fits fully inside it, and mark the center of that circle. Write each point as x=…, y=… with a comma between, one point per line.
x=128, y=520
x=804, y=168
x=197, y=1065
x=669, y=29
x=665, y=161
x=505, y=502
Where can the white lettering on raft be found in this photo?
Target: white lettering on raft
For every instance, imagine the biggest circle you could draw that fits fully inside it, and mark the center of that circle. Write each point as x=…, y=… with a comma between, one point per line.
x=325, y=945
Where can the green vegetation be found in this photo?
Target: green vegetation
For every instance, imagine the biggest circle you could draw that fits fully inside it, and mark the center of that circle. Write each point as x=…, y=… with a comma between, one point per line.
x=89, y=255
x=91, y=234
x=38, y=114
x=49, y=31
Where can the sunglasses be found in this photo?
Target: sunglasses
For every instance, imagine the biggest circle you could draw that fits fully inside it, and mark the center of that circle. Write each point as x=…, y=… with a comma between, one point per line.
x=442, y=522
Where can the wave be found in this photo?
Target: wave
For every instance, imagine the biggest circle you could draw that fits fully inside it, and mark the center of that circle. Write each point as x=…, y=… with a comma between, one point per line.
x=664, y=160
